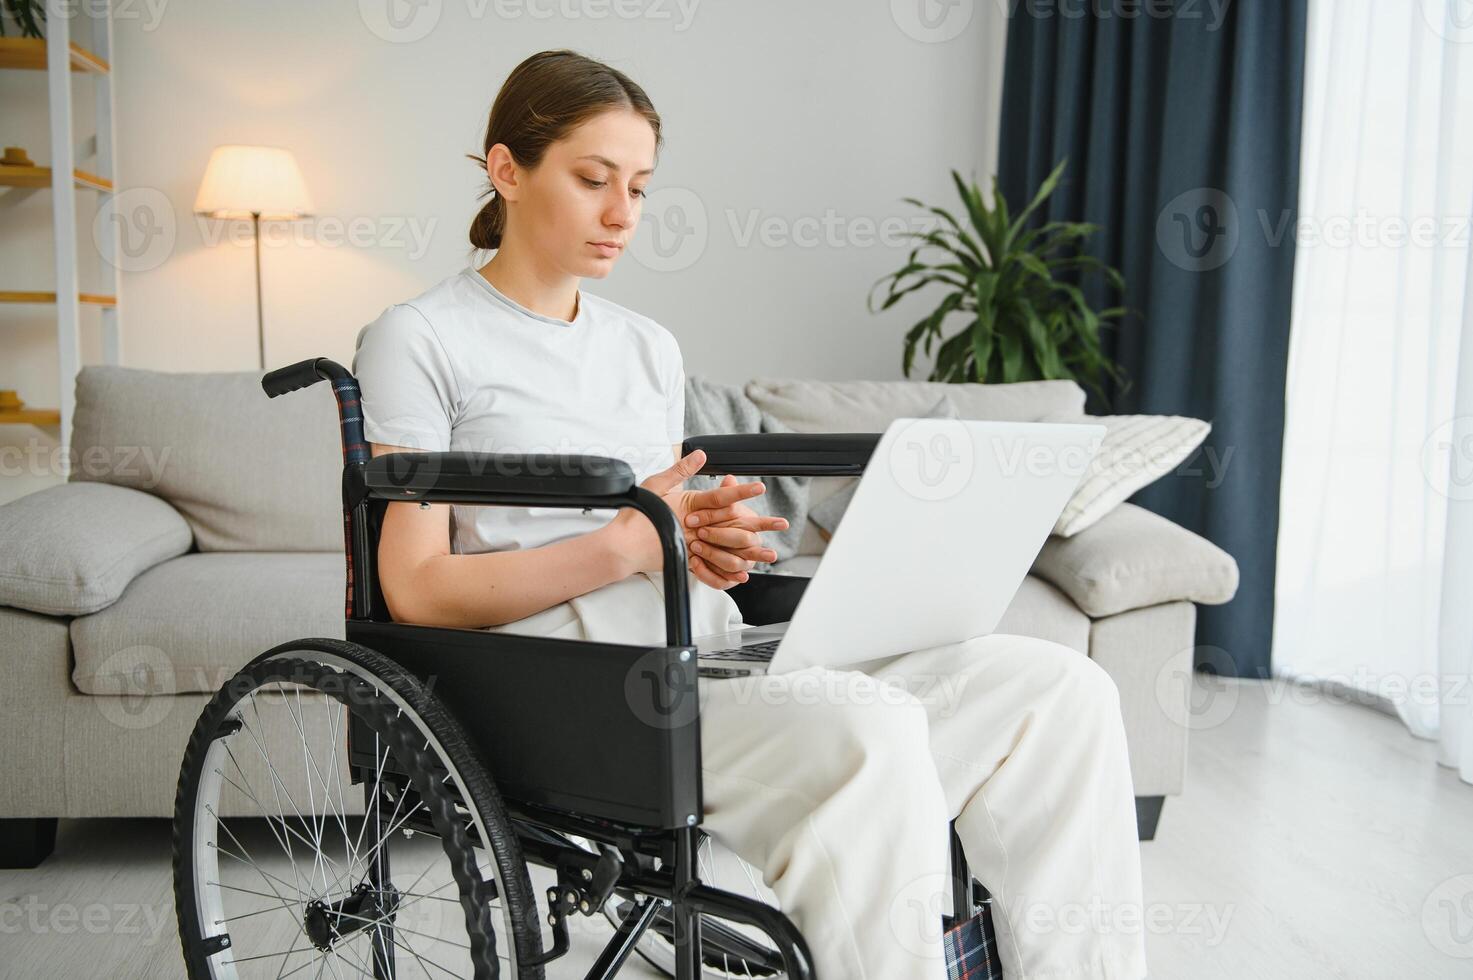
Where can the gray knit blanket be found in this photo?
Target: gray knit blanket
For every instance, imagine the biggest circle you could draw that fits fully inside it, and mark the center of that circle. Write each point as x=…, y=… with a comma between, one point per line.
x=712, y=408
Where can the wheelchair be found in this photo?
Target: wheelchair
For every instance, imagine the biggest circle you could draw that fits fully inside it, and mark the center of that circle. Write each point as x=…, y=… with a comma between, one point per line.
x=410, y=776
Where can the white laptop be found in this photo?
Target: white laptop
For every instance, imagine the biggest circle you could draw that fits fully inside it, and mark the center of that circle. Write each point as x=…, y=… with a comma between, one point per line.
x=944, y=525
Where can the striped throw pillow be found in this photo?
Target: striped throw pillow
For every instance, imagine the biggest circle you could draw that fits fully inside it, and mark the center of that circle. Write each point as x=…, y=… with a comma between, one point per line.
x=1136, y=451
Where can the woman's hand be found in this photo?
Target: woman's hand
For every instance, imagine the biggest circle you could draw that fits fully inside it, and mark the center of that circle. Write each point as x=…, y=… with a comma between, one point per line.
x=721, y=533
x=729, y=547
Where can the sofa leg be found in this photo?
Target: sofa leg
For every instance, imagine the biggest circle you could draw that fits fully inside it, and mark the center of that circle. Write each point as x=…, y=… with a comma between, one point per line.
x=1147, y=813
x=26, y=841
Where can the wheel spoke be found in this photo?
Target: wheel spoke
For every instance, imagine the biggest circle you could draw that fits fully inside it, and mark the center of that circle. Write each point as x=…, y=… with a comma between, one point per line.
x=251, y=864
x=247, y=915
x=424, y=959
x=310, y=758
x=381, y=756
x=304, y=966
x=264, y=956
x=278, y=896
x=400, y=928
x=278, y=784
x=249, y=791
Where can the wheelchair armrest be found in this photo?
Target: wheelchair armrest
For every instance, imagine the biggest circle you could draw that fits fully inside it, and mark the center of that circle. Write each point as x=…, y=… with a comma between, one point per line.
x=528, y=480
x=785, y=453
x=460, y=475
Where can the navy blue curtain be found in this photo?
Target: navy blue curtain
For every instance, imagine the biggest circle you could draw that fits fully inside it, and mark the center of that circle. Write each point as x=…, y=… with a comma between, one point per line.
x=1180, y=123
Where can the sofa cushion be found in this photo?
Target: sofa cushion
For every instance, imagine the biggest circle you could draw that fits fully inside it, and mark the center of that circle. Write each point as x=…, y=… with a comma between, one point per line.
x=72, y=549
x=1134, y=558
x=192, y=622
x=1037, y=609
x=870, y=406
x=249, y=473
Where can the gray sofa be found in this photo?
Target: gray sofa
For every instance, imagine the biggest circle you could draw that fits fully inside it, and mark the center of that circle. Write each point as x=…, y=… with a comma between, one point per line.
x=201, y=525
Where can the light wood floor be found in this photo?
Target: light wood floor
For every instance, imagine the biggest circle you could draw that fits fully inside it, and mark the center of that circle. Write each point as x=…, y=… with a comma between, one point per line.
x=1314, y=839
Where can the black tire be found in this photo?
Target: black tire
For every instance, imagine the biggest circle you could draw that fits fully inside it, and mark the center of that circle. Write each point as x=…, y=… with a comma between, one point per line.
x=423, y=755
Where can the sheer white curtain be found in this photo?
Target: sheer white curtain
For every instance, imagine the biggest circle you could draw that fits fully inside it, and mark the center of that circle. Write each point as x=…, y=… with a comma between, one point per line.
x=1375, y=554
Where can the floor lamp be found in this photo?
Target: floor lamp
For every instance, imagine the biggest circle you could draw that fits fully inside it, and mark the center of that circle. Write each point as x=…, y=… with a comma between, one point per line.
x=262, y=183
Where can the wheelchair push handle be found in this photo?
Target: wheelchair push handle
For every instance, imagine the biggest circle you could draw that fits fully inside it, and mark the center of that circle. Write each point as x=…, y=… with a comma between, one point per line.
x=303, y=374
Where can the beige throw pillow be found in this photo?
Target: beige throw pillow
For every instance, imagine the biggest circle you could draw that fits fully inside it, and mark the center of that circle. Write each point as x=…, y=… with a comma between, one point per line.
x=1136, y=451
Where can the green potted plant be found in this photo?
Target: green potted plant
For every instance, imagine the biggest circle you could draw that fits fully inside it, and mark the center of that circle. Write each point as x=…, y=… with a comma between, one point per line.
x=29, y=14
x=1024, y=322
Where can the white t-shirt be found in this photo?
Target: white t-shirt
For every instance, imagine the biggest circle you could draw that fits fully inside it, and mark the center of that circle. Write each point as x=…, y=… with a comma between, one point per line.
x=462, y=367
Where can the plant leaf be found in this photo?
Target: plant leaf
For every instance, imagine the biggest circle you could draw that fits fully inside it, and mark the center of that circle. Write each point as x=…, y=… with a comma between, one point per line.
x=1049, y=185
x=980, y=217
x=955, y=229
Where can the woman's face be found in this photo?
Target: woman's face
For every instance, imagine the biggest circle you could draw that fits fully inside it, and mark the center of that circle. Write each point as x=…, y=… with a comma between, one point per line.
x=580, y=206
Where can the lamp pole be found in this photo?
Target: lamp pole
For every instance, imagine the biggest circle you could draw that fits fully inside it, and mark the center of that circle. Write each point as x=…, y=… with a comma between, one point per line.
x=260, y=316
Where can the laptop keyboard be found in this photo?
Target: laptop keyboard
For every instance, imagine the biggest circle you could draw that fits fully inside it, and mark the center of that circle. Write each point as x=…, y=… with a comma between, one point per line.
x=756, y=651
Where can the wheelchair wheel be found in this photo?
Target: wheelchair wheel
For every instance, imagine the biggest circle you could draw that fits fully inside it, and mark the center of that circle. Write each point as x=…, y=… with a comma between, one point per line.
x=728, y=949
x=415, y=873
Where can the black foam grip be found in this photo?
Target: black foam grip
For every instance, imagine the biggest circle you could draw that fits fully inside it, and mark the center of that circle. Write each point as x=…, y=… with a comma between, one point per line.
x=290, y=378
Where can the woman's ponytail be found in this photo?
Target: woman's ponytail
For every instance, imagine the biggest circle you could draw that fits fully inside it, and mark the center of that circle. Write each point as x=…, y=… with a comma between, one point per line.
x=489, y=222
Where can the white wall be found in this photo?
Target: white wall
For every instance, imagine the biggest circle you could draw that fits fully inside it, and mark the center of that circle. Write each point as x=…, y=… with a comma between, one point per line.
x=804, y=122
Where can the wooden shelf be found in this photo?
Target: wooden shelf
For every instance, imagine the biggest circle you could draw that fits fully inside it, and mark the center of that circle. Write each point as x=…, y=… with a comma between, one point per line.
x=12, y=176
x=29, y=53
x=31, y=416
x=92, y=299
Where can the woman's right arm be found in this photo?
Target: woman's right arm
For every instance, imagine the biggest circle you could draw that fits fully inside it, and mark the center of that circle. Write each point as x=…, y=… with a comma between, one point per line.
x=424, y=583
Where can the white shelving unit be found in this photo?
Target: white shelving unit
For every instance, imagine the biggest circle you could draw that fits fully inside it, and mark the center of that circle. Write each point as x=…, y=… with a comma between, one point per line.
x=60, y=55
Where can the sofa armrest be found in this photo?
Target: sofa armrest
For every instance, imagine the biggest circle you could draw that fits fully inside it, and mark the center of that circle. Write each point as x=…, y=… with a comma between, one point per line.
x=72, y=549
x=1133, y=558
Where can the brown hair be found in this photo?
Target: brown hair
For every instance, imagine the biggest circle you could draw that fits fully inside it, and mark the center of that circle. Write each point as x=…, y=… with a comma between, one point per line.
x=545, y=97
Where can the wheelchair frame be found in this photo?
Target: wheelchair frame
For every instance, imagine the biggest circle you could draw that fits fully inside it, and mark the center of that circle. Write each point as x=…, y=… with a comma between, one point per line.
x=633, y=785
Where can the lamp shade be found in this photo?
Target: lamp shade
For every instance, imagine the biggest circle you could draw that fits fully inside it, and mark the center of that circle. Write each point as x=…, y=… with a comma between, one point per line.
x=242, y=180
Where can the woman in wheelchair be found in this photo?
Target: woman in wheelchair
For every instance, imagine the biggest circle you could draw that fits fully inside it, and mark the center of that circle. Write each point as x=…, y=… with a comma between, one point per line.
x=841, y=790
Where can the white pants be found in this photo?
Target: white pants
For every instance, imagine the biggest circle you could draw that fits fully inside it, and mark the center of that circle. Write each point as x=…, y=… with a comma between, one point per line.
x=839, y=784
